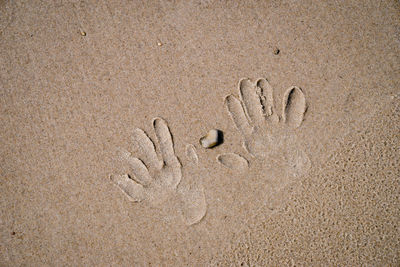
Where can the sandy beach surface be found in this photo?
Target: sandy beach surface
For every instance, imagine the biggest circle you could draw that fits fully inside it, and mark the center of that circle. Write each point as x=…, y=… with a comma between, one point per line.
x=103, y=104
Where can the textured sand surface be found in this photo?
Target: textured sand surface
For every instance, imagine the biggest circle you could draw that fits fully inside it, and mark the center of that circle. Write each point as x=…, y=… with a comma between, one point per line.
x=346, y=214
x=79, y=78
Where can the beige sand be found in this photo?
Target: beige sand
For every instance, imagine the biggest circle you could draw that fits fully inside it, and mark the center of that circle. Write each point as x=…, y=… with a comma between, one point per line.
x=318, y=185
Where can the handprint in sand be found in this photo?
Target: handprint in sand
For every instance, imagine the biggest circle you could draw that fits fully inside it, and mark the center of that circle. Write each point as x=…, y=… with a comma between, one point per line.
x=269, y=135
x=157, y=179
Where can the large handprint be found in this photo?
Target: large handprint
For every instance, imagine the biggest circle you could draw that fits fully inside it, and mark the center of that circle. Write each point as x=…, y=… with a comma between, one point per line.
x=268, y=137
x=158, y=181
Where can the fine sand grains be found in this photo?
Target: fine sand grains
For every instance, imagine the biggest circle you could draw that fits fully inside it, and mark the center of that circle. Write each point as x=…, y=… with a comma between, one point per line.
x=347, y=213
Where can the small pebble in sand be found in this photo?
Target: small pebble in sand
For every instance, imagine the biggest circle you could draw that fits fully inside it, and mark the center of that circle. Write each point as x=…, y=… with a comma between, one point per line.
x=276, y=51
x=159, y=43
x=82, y=33
x=211, y=139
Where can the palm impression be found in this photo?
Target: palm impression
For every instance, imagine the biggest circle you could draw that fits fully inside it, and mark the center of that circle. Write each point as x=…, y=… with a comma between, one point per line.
x=156, y=179
x=268, y=135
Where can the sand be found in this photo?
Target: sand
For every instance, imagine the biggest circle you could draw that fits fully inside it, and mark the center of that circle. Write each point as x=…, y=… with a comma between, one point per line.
x=103, y=104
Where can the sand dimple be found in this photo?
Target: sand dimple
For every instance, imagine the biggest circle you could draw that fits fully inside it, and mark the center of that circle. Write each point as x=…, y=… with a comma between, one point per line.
x=251, y=100
x=294, y=107
x=134, y=191
x=194, y=206
x=233, y=161
x=145, y=146
x=265, y=92
x=191, y=153
x=235, y=109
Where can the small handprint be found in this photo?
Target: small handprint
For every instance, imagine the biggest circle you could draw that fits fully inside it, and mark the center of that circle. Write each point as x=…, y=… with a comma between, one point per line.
x=268, y=137
x=158, y=181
